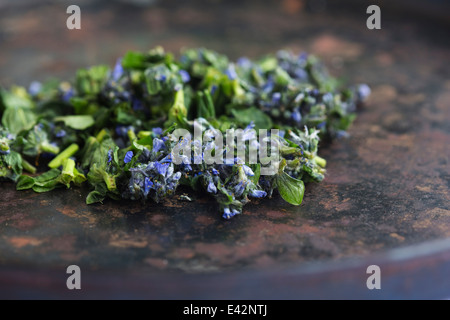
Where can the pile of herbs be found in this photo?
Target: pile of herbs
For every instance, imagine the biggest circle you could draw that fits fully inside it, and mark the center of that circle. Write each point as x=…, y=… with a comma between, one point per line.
x=112, y=129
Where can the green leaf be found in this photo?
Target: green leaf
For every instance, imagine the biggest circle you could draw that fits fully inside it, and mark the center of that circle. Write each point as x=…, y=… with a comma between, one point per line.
x=291, y=189
x=245, y=116
x=94, y=197
x=134, y=60
x=91, y=81
x=46, y=188
x=47, y=176
x=257, y=171
x=18, y=119
x=79, y=122
x=24, y=183
x=14, y=162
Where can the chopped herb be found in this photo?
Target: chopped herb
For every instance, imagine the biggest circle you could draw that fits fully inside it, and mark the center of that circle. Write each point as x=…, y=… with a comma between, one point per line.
x=117, y=129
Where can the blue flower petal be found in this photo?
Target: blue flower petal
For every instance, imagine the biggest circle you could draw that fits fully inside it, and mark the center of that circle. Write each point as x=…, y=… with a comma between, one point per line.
x=158, y=144
x=248, y=171
x=147, y=185
x=157, y=131
x=296, y=115
x=162, y=168
x=227, y=213
x=231, y=72
x=109, y=156
x=61, y=133
x=128, y=156
x=211, y=188
x=185, y=77
x=363, y=91
x=35, y=88
x=258, y=193
x=118, y=70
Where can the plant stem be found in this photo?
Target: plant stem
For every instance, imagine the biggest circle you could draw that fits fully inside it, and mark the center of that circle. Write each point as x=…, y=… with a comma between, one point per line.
x=67, y=153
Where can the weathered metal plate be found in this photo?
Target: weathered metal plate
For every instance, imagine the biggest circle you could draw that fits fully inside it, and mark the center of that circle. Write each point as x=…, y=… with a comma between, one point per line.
x=385, y=199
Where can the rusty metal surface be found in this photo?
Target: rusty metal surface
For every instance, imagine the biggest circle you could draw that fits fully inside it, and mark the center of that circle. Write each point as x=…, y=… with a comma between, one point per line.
x=385, y=199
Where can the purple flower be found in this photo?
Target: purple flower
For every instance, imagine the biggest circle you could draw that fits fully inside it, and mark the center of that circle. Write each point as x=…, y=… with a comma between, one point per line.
x=147, y=185
x=162, y=168
x=302, y=57
x=244, y=62
x=301, y=74
x=60, y=134
x=128, y=156
x=214, y=172
x=258, y=193
x=268, y=86
x=231, y=72
x=341, y=134
x=363, y=91
x=122, y=131
x=109, y=155
x=158, y=144
x=118, y=70
x=185, y=77
x=227, y=213
x=213, y=89
x=157, y=131
x=161, y=77
x=321, y=125
x=169, y=171
x=276, y=97
x=327, y=98
x=249, y=132
x=296, y=115
x=176, y=176
x=248, y=171
x=5, y=152
x=35, y=88
x=239, y=189
x=67, y=95
x=211, y=188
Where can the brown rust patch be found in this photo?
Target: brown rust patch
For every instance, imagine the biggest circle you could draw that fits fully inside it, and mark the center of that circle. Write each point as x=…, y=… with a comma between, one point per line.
x=156, y=262
x=275, y=214
x=205, y=220
x=182, y=253
x=436, y=219
x=397, y=236
x=327, y=44
x=19, y=242
x=158, y=219
x=383, y=93
x=65, y=243
x=85, y=217
x=127, y=241
x=215, y=251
